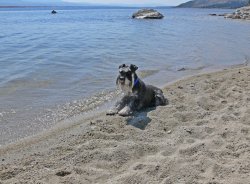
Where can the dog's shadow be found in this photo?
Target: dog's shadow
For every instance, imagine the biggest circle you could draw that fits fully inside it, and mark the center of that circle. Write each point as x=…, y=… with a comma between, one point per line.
x=140, y=119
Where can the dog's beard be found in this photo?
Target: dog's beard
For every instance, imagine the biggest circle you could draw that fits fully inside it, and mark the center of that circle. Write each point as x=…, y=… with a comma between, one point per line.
x=126, y=86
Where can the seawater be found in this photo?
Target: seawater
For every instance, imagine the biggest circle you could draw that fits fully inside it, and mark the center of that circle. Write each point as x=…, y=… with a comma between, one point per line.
x=53, y=67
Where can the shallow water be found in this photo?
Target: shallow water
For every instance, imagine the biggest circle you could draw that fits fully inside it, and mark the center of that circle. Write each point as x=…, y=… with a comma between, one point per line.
x=53, y=67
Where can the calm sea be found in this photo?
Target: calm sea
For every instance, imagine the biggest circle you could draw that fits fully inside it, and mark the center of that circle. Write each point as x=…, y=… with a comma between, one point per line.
x=53, y=67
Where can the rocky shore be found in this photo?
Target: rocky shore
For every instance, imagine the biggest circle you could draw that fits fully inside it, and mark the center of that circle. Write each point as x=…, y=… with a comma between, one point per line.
x=240, y=13
x=227, y=4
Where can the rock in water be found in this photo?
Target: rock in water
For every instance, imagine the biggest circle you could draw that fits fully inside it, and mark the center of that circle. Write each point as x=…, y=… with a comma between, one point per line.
x=53, y=12
x=147, y=14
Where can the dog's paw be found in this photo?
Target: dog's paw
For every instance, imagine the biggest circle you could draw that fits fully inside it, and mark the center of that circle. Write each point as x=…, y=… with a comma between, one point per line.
x=126, y=111
x=111, y=112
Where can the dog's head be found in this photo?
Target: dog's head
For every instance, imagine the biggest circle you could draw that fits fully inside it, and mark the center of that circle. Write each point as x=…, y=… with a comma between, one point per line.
x=126, y=77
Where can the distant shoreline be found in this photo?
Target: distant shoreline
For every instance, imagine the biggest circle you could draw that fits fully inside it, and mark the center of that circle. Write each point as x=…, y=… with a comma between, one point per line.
x=106, y=7
x=26, y=6
x=82, y=6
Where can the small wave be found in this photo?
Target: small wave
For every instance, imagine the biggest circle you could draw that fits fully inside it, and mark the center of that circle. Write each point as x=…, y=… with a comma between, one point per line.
x=198, y=68
x=19, y=84
x=77, y=107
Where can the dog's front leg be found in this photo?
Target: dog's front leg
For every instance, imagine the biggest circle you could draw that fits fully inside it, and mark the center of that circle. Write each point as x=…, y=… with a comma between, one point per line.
x=119, y=105
x=129, y=107
x=126, y=111
x=114, y=110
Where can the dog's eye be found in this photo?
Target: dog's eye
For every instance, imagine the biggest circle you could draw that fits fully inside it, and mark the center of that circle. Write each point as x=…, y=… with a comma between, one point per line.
x=122, y=72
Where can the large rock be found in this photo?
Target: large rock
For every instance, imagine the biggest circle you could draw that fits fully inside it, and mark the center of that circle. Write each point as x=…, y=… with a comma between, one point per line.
x=240, y=13
x=147, y=14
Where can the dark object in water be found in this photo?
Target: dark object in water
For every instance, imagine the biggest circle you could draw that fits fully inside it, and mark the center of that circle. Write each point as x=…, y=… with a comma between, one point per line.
x=53, y=12
x=181, y=69
x=214, y=14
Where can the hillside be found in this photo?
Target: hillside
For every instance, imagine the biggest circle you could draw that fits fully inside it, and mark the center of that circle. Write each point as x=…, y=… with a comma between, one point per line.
x=214, y=4
x=28, y=3
x=38, y=3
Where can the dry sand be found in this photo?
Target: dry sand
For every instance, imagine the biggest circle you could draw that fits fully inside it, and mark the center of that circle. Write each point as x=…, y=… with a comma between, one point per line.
x=202, y=136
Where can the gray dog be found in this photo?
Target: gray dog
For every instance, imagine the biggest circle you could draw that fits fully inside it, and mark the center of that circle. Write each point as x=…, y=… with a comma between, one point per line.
x=137, y=94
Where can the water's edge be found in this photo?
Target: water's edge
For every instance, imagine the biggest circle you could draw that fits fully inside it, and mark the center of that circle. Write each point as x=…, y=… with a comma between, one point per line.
x=98, y=105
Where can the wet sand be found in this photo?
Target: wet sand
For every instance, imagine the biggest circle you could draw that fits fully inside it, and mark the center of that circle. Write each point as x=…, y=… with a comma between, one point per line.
x=201, y=136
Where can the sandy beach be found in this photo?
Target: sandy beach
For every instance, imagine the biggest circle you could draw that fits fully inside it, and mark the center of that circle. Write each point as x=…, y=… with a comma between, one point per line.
x=202, y=136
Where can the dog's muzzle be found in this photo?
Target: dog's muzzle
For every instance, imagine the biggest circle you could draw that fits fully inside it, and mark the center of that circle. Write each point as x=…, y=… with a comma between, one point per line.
x=122, y=80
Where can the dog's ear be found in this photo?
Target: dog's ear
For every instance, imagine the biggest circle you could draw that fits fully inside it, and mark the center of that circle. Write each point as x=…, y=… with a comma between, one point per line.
x=121, y=66
x=133, y=68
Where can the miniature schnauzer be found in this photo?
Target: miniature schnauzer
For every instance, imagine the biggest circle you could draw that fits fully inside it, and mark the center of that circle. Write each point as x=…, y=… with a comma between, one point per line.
x=138, y=95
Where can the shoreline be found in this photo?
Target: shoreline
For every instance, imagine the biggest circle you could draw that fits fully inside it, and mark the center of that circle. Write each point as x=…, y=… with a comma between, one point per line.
x=199, y=128
x=104, y=104
x=32, y=94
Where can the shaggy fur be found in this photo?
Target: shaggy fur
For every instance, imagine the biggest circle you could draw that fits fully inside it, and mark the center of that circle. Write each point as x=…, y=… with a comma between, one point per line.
x=138, y=95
